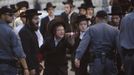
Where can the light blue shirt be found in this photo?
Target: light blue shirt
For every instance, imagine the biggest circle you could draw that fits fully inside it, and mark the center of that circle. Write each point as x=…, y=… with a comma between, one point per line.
x=10, y=45
x=99, y=37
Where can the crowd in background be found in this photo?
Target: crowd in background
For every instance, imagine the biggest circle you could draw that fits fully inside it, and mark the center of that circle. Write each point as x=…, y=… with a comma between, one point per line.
x=100, y=44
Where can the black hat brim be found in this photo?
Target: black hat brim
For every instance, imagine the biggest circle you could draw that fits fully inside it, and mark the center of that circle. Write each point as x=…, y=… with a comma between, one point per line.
x=67, y=3
x=81, y=7
x=49, y=7
x=116, y=14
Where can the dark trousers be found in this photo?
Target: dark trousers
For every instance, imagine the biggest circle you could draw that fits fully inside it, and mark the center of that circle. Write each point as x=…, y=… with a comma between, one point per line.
x=55, y=70
x=6, y=69
x=128, y=61
x=97, y=67
x=83, y=69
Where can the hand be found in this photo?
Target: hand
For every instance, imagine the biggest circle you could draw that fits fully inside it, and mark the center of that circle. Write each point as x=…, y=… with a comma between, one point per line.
x=69, y=34
x=26, y=72
x=33, y=72
x=77, y=63
x=40, y=68
x=122, y=67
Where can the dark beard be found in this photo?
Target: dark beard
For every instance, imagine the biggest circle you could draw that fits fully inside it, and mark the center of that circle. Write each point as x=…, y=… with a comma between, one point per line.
x=34, y=28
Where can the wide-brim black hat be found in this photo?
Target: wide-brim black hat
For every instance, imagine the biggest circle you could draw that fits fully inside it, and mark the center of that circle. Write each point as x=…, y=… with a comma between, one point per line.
x=31, y=12
x=82, y=18
x=68, y=2
x=21, y=4
x=6, y=9
x=49, y=5
x=83, y=6
x=116, y=10
x=89, y=4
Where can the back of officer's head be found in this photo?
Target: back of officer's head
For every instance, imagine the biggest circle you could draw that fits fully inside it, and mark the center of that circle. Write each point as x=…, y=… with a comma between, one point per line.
x=101, y=16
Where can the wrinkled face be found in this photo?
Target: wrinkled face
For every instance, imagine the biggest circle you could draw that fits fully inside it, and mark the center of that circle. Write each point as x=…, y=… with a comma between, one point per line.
x=82, y=11
x=116, y=19
x=35, y=22
x=90, y=11
x=67, y=8
x=60, y=31
x=50, y=11
x=83, y=26
x=8, y=17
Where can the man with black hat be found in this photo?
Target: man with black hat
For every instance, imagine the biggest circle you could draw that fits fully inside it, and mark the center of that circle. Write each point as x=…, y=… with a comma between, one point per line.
x=10, y=47
x=116, y=16
x=101, y=39
x=90, y=11
x=29, y=40
x=82, y=9
x=20, y=7
x=83, y=26
x=127, y=41
x=44, y=29
x=69, y=16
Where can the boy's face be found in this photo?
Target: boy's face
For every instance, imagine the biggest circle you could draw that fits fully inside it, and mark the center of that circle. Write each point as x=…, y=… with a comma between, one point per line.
x=82, y=11
x=50, y=10
x=116, y=19
x=90, y=11
x=83, y=26
x=60, y=31
x=67, y=8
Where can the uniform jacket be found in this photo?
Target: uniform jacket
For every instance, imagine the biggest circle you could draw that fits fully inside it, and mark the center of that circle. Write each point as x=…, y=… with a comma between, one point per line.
x=100, y=38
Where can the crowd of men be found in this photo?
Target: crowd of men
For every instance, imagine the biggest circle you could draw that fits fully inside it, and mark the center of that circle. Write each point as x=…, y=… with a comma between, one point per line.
x=100, y=44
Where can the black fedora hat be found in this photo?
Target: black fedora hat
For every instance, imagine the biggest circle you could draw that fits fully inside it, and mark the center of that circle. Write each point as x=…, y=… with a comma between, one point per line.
x=116, y=10
x=6, y=9
x=89, y=4
x=21, y=4
x=69, y=2
x=83, y=6
x=31, y=12
x=82, y=18
x=48, y=5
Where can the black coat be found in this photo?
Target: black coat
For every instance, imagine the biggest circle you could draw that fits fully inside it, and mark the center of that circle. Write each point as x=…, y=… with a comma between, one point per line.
x=72, y=26
x=44, y=26
x=55, y=55
x=30, y=45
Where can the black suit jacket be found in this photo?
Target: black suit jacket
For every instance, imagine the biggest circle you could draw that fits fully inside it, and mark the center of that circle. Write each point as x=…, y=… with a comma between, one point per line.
x=55, y=55
x=44, y=26
x=30, y=45
x=73, y=19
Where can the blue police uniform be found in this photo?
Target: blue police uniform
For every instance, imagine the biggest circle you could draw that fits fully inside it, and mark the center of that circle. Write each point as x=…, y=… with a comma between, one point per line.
x=127, y=43
x=10, y=50
x=102, y=40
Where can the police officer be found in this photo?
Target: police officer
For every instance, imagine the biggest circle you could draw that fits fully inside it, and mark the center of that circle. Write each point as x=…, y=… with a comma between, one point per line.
x=101, y=39
x=10, y=48
x=127, y=42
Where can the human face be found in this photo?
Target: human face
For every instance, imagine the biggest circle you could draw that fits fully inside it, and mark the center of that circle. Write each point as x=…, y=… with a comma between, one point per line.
x=116, y=19
x=67, y=8
x=83, y=26
x=23, y=19
x=90, y=11
x=50, y=11
x=82, y=12
x=8, y=17
x=60, y=31
x=35, y=22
